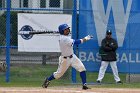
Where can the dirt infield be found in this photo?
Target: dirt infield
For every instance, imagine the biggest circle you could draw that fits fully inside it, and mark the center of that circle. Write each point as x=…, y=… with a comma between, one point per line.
x=65, y=90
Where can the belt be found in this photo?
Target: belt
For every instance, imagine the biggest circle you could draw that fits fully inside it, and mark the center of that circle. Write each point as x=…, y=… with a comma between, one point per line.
x=68, y=56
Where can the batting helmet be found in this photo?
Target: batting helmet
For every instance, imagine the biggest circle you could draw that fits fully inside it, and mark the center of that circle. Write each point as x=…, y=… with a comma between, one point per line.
x=62, y=27
x=108, y=32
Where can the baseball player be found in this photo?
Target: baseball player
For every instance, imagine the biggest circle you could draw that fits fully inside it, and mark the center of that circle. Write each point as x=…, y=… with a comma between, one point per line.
x=68, y=58
x=108, y=48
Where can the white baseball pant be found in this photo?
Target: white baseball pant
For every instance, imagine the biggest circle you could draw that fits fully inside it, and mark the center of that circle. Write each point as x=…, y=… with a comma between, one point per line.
x=104, y=65
x=64, y=64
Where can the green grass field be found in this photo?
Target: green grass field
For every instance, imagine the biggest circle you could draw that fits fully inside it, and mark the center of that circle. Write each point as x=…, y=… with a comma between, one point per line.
x=33, y=76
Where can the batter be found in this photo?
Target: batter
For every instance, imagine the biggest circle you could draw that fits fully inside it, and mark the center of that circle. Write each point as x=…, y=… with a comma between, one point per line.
x=68, y=58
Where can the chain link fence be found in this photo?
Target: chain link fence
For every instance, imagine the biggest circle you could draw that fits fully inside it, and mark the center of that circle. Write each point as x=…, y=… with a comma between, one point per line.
x=24, y=64
x=35, y=7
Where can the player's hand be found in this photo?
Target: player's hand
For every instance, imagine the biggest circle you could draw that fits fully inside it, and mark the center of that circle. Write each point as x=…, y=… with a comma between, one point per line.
x=110, y=45
x=88, y=37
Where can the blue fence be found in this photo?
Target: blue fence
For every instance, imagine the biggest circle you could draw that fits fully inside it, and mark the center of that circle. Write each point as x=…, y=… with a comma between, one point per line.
x=120, y=16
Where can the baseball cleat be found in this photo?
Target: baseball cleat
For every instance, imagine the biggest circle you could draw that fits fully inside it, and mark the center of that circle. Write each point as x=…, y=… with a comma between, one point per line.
x=46, y=83
x=85, y=87
x=119, y=82
x=98, y=81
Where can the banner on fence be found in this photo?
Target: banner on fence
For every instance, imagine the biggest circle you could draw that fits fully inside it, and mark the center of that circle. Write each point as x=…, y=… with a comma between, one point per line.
x=40, y=22
x=120, y=16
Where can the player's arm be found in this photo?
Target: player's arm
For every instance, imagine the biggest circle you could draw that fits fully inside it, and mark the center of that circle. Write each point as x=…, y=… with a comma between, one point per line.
x=114, y=45
x=105, y=46
x=79, y=41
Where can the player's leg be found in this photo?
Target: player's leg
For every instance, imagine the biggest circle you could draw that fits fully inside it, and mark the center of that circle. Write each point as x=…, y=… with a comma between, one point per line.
x=103, y=67
x=78, y=65
x=62, y=67
x=115, y=71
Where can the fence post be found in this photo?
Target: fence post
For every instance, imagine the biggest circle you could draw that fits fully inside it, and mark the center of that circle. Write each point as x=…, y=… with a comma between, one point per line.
x=44, y=59
x=74, y=34
x=8, y=40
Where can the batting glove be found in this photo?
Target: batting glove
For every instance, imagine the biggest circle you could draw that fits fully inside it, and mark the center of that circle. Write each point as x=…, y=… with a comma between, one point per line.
x=88, y=37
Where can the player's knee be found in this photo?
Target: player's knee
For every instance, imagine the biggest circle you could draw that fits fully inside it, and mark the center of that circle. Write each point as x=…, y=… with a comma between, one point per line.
x=81, y=69
x=57, y=75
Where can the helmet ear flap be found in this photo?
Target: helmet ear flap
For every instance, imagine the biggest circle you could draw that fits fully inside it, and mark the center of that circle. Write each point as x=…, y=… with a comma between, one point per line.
x=61, y=32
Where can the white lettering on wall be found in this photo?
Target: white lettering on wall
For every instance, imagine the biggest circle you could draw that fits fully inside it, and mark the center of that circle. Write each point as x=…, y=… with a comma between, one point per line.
x=124, y=57
x=120, y=18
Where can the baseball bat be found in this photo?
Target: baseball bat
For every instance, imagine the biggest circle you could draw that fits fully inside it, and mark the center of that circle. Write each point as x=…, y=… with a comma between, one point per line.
x=43, y=32
x=37, y=32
